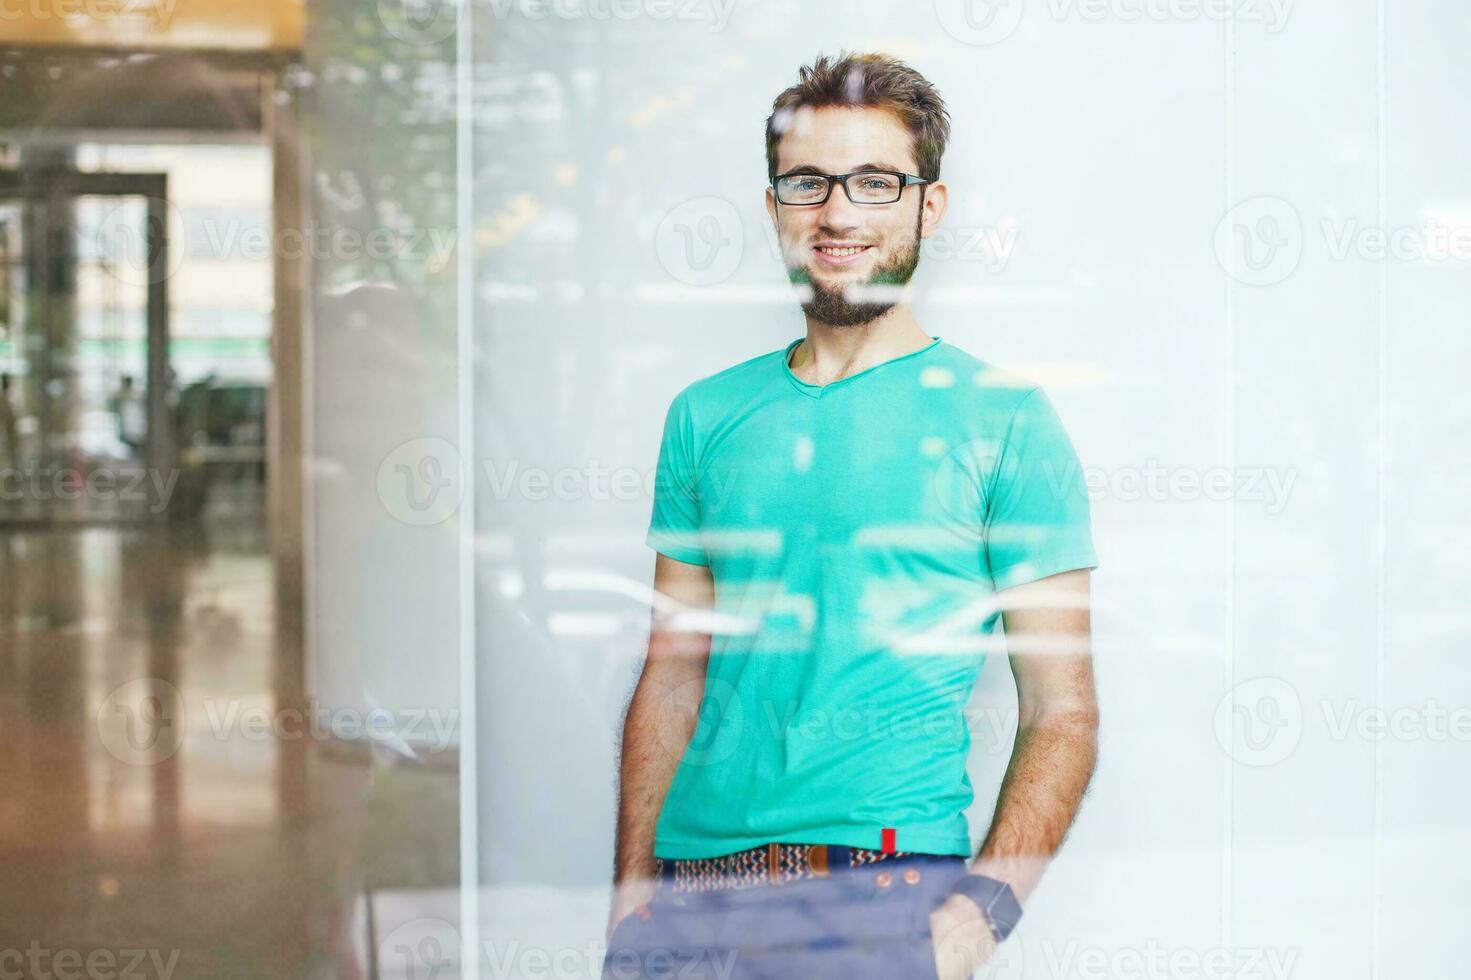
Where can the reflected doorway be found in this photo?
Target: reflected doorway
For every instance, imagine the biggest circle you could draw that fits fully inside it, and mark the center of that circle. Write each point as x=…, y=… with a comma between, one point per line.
x=87, y=422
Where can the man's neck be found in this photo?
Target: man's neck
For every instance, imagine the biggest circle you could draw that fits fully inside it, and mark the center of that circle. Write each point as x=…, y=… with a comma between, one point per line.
x=830, y=353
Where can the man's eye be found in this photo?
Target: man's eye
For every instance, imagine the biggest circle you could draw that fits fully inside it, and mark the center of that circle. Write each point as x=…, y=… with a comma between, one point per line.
x=806, y=185
x=878, y=183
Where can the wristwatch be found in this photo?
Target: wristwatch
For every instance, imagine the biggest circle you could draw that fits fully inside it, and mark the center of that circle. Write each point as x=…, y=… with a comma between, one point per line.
x=997, y=901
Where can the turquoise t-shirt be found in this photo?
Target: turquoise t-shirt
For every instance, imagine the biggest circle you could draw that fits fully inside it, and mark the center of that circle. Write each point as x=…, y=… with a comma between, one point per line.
x=857, y=533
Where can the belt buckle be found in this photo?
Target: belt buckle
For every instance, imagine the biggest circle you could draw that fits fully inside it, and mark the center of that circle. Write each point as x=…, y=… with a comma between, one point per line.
x=816, y=864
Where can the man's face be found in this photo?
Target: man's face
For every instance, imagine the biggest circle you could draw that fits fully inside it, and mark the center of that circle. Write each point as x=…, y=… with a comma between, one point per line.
x=838, y=244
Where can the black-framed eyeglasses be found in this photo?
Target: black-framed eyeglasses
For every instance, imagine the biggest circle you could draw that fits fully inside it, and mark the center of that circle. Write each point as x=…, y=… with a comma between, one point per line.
x=861, y=186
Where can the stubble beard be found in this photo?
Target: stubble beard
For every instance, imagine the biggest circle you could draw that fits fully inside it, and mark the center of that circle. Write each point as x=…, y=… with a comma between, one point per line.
x=831, y=305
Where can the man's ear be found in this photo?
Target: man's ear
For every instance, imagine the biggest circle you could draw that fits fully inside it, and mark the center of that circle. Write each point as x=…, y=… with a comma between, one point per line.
x=936, y=199
x=771, y=206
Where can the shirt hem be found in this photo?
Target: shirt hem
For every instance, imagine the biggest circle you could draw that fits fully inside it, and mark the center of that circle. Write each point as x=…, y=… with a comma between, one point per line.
x=1033, y=568
x=915, y=841
x=692, y=556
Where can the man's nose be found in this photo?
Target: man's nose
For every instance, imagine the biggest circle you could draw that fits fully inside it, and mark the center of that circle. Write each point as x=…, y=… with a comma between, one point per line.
x=839, y=212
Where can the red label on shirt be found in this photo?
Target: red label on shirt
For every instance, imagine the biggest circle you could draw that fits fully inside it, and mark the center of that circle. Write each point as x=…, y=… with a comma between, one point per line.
x=889, y=847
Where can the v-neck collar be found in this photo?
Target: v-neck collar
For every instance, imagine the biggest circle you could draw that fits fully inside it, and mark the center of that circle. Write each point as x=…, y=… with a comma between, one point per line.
x=817, y=391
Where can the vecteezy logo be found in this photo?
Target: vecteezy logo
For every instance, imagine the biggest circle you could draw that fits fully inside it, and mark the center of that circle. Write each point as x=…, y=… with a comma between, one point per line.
x=717, y=721
x=1259, y=241
x=420, y=482
x=421, y=949
x=956, y=485
x=1259, y=722
x=141, y=722
x=980, y=21
x=700, y=242
x=421, y=21
x=1004, y=963
x=133, y=241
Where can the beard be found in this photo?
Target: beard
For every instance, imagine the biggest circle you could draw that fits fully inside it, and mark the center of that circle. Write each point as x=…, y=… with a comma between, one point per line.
x=833, y=306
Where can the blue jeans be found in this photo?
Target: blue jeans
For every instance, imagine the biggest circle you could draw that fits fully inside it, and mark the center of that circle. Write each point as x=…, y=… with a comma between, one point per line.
x=856, y=923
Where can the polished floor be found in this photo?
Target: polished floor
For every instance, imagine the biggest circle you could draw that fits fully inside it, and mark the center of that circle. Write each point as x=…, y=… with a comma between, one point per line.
x=224, y=853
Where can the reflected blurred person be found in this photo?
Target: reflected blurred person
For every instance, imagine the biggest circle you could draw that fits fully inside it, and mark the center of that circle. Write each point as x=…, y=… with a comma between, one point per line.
x=9, y=430
x=132, y=416
x=841, y=526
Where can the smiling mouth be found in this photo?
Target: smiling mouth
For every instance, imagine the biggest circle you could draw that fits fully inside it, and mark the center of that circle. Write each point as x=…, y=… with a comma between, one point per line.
x=840, y=253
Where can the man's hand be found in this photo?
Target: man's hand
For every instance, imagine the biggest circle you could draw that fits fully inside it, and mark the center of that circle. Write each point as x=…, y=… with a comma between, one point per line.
x=961, y=938
x=630, y=897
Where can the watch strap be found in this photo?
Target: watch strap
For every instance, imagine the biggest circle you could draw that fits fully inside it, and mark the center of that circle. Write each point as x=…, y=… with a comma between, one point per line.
x=996, y=900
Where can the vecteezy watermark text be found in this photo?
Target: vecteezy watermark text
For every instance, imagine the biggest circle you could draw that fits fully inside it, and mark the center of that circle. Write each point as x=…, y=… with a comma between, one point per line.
x=715, y=12
x=145, y=721
x=1262, y=240
x=428, y=727
x=1153, y=481
x=155, y=14
x=37, y=962
x=141, y=484
x=1262, y=720
x=985, y=22
x=422, y=481
x=1155, y=961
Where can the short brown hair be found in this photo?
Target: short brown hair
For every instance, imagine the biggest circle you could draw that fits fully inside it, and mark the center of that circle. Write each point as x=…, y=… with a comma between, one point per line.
x=872, y=80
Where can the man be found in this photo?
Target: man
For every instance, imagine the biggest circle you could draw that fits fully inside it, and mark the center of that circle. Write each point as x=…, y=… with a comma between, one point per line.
x=839, y=526
x=9, y=430
x=132, y=416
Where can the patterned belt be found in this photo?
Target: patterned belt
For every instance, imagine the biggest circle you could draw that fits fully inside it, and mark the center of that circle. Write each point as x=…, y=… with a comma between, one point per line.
x=765, y=864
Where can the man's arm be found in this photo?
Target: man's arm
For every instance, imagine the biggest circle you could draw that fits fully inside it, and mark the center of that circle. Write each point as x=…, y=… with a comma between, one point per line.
x=660, y=722
x=1049, y=645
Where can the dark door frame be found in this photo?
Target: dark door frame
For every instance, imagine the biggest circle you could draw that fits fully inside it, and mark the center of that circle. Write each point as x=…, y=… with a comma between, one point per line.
x=47, y=184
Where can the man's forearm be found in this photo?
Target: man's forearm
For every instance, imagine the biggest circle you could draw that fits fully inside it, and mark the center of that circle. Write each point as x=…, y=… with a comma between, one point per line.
x=644, y=775
x=660, y=722
x=1051, y=765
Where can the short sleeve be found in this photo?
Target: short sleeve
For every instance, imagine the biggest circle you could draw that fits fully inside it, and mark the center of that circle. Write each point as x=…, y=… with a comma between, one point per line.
x=674, y=528
x=1037, y=515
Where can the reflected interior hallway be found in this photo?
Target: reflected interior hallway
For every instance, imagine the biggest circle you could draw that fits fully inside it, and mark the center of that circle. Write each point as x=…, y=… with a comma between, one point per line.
x=244, y=852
